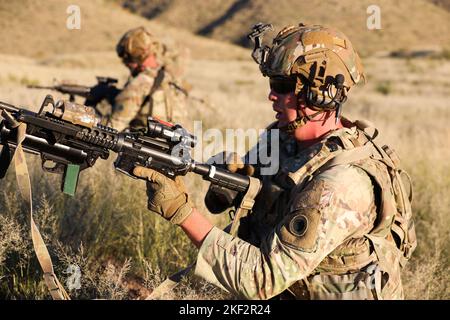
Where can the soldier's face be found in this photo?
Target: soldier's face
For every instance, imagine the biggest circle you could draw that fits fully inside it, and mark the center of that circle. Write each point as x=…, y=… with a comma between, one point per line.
x=132, y=66
x=288, y=106
x=135, y=68
x=285, y=105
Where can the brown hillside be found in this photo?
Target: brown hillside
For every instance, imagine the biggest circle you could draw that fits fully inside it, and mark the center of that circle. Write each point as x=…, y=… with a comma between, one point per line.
x=443, y=3
x=37, y=28
x=405, y=24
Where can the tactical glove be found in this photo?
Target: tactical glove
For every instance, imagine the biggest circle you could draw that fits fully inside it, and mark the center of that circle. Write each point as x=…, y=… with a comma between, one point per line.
x=166, y=197
x=236, y=165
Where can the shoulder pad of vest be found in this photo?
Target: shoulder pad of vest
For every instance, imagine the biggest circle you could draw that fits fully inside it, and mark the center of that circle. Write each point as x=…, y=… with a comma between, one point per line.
x=367, y=127
x=299, y=229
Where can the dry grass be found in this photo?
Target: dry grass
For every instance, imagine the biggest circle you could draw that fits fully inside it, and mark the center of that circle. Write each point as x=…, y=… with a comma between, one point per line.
x=114, y=243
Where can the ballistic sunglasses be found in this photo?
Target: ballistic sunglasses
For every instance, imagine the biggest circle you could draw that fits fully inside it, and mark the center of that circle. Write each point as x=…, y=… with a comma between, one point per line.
x=283, y=85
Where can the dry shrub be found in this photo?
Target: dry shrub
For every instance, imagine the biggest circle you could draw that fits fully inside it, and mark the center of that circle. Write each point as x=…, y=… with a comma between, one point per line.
x=188, y=288
x=10, y=237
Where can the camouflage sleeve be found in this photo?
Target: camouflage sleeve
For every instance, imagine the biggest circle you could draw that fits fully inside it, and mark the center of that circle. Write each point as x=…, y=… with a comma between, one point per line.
x=336, y=205
x=129, y=100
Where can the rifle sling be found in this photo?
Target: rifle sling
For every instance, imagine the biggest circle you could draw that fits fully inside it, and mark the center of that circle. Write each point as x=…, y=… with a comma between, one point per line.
x=246, y=204
x=156, y=84
x=23, y=180
x=169, y=284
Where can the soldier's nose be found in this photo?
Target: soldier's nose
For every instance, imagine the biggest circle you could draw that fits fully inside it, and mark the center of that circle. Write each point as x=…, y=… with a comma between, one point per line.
x=272, y=96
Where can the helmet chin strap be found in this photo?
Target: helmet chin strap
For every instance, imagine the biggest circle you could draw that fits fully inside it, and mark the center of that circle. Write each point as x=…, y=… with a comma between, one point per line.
x=335, y=104
x=300, y=121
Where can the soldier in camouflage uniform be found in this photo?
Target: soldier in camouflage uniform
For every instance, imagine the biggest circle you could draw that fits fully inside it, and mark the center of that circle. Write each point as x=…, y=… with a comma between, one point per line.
x=335, y=221
x=153, y=88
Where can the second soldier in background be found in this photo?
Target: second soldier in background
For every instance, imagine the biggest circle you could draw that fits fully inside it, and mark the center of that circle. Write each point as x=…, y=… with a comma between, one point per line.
x=154, y=86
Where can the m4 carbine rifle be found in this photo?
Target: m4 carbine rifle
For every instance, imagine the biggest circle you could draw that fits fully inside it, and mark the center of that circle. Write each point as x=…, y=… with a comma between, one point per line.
x=69, y=138
x=104, y=89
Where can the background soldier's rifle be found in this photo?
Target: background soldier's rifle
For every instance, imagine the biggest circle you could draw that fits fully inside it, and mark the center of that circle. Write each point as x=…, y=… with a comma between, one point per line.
x=104, y=90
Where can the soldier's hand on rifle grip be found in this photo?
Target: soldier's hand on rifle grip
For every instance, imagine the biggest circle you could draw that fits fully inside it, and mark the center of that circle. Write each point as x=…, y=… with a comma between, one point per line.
x=166, y=197
x=236, y=165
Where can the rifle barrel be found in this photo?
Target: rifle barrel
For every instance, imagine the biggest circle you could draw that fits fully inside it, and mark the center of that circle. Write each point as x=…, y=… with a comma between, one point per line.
x=222, y=177
x=65, y=88
x=33, y=86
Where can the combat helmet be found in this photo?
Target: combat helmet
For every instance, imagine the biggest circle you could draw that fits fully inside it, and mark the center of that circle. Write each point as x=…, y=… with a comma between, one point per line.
x=317, y=62
x=137, y=44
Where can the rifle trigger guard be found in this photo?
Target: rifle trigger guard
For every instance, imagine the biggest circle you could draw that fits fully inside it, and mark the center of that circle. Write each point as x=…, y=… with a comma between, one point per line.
x=56, y=168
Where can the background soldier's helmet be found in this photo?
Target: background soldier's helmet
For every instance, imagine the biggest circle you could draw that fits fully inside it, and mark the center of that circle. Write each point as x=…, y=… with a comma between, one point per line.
x=137, y=44
x=314, y=55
